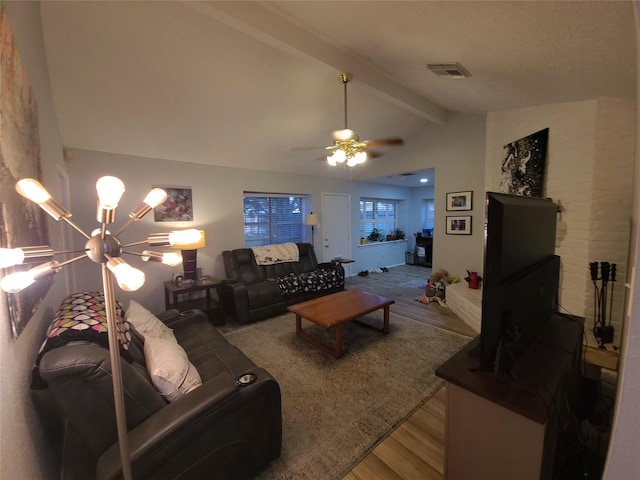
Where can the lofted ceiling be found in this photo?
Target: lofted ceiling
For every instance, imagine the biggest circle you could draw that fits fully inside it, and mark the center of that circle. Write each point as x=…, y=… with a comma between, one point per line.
x=249, y=84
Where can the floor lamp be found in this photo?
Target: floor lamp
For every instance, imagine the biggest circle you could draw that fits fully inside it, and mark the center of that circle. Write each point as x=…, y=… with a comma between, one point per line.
x=101, y=247
x=311, y=219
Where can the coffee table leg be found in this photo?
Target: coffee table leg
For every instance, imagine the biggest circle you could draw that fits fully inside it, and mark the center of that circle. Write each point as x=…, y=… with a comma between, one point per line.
x=299, y=325
x=339, y=341
x=335, y=350
x=385, y=328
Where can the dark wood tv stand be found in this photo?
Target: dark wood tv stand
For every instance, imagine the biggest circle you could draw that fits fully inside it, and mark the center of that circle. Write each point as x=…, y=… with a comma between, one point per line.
x=503, y=426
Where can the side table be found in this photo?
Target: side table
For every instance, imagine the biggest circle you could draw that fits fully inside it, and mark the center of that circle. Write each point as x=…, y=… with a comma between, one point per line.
x=181, y=297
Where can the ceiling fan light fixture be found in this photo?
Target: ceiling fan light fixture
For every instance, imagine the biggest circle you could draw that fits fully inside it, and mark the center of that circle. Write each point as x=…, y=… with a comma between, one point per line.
x=360, y=157
x=338, y=156
x=347, y=146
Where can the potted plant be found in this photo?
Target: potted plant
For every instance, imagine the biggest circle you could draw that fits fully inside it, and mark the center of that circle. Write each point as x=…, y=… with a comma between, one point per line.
x=400, y=234
x=375, y=236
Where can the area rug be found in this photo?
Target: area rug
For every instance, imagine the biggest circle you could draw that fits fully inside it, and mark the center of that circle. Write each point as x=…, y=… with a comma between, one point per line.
x=335, y=411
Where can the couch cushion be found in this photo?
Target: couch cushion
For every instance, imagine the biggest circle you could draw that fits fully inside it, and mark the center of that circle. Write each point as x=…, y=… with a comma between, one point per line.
x=240, y=265
x=169, y=367
x=146, y=323
x=225, y=359
x=261, y=294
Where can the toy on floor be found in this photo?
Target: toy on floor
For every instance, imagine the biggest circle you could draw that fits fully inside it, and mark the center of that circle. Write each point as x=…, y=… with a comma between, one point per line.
x=435, y=288
x=426, y=299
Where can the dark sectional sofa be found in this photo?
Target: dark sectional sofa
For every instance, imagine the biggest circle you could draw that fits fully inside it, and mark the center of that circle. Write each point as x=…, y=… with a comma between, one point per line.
x=254, y=292
x=225, y=428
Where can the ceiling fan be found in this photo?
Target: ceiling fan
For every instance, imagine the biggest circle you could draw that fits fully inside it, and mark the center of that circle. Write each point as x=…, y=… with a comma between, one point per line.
x=347, y=146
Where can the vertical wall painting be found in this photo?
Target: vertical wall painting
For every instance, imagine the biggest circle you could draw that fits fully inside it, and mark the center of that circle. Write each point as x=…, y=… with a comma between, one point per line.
x=22, y=223
x=523, y=165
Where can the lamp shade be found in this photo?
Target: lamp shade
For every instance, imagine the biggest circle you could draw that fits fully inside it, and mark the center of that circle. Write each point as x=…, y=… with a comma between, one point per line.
x=311, y=219
x=187, y=239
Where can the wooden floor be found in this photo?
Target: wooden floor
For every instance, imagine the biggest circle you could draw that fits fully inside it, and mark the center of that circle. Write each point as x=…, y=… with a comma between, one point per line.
x=415, y=450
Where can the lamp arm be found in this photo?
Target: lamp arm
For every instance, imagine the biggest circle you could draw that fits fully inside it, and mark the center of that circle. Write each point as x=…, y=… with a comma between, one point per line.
x=138, y=254
x=68, y=220
x=71, y=260
x=125, y=226
x=133, y=244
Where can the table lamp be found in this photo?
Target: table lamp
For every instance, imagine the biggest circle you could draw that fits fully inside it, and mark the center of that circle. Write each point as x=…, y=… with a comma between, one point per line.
x=189, y=241
x=311, y=219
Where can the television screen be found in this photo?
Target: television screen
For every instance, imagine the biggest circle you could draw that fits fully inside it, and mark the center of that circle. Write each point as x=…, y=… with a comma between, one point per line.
x=520, y=276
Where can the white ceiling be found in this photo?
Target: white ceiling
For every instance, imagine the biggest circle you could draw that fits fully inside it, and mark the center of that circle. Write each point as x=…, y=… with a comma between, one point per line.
x=245, y=84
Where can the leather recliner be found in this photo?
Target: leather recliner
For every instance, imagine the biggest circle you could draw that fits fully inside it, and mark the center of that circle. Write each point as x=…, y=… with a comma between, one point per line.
x=253, y=292
x=219, y=430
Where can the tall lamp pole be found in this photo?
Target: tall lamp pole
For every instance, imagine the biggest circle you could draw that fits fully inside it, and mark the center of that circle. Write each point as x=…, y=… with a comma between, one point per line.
x=103, y=248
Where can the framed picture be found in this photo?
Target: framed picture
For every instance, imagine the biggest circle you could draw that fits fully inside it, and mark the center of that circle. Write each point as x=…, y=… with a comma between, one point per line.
x=459, y=201
x=459, y=225
x=177, y=208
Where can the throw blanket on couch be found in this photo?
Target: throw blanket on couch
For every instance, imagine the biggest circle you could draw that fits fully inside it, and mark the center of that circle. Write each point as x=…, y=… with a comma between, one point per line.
x=279, y=253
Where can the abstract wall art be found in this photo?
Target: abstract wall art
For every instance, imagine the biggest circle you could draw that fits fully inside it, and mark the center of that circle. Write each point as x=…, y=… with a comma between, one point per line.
x=177, y=208
x=523, y=165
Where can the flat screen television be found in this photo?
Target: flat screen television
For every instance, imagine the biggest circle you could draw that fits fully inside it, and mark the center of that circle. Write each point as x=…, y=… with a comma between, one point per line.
x=520, y=277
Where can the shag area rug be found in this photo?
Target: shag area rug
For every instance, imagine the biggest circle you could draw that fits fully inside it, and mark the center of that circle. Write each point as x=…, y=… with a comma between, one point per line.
x=335, y=411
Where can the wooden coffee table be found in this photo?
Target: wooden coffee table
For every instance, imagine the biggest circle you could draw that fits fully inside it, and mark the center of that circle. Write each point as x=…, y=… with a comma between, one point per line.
x=335, y=310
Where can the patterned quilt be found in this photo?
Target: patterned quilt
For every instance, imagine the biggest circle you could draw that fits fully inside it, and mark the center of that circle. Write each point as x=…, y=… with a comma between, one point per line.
x=278, y=253
x=81, y=318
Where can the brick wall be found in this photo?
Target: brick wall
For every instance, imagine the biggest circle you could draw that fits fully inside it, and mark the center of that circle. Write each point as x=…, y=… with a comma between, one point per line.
x=589, y=173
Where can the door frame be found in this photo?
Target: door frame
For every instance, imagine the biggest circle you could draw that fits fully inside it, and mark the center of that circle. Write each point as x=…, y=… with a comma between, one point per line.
x=327, y=218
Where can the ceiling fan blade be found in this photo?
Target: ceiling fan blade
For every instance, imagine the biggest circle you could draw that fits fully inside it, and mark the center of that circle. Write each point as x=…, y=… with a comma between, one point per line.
x=383, y=142
x=371, y=154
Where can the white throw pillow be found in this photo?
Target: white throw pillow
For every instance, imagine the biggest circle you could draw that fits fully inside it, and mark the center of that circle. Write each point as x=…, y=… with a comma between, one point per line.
x=147, y=323
x=171, y=372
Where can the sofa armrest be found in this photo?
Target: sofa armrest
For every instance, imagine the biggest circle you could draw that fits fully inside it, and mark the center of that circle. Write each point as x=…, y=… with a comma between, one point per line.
x=191, y=434
x=235, y=300
x=332, y=266
x=176, y=319
x=167, y=315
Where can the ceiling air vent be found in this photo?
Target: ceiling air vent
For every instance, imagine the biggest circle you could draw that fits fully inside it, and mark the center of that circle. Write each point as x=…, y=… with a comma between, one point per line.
x=408, y=174
x=449, y=70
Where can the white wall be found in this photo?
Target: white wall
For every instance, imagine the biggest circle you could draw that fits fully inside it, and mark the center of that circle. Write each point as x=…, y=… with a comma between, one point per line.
x=24, y=453
x=593, y=171
x=623, y=460
x=456, y=151
x=590, y=174
x=218, y=209
x=217, y=196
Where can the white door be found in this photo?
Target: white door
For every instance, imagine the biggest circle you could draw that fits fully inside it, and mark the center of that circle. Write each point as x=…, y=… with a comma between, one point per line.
x=336, y=227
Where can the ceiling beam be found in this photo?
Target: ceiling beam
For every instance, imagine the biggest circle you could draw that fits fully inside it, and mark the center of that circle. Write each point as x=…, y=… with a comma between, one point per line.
x=263, y=22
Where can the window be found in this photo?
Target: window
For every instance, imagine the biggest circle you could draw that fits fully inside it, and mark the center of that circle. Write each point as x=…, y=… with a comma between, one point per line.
x=428, y=214
x=274, y=218
x=380, y=214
